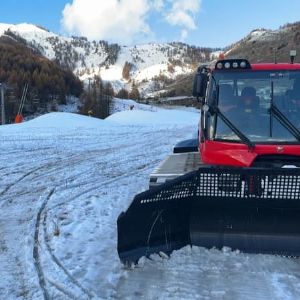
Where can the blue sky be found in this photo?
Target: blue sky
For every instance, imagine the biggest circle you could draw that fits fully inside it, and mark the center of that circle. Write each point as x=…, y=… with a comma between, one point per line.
x=213, y=23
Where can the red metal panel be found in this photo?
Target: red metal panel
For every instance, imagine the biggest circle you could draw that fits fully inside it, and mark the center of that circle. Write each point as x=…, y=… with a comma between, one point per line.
x=235, y=154
x=280, y=66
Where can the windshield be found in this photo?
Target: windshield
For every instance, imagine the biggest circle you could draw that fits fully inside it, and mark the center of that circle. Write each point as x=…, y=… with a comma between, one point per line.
x=245, y=98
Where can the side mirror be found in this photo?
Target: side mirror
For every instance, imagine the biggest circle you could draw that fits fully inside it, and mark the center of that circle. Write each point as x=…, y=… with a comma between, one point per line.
x=200, y=85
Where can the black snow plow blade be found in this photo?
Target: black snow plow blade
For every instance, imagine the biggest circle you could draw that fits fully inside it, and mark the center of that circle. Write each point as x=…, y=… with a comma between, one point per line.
x=253, y=210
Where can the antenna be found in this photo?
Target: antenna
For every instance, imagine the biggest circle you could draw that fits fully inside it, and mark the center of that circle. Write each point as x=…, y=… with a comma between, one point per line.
x=275, y=56
x=293, y=54
x=2, y=104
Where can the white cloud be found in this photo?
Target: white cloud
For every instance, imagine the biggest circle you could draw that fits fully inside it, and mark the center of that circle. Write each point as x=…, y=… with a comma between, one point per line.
x=114, y=20
x=183, y=13
x=184, y=34
x=126, y=21
x=158, y=4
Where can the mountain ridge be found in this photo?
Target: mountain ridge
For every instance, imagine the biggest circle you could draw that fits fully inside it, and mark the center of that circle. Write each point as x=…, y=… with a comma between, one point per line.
x=151, y=64
x=151, y=67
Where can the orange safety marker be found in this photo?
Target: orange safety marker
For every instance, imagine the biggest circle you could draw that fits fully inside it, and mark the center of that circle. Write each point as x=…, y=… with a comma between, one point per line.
x=19, y=118
x=221, y=56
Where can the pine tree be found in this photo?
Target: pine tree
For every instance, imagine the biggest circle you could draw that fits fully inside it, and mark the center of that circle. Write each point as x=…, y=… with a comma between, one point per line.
x=134, y=93
x=109, y=90
x=122, y=94
x=126, y=70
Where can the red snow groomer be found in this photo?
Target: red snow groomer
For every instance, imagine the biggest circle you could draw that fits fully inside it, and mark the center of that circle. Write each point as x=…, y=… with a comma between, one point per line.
x=244, y=191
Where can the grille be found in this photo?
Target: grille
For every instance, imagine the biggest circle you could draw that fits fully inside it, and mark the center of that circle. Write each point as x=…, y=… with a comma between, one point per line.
x=241, y=183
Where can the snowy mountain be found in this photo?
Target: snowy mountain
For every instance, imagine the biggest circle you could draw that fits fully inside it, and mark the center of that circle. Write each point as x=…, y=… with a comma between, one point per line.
x=149, y=65
x=261, y=45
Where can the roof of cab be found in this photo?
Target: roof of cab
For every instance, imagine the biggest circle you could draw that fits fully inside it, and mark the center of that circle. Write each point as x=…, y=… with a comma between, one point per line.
x=273, y=66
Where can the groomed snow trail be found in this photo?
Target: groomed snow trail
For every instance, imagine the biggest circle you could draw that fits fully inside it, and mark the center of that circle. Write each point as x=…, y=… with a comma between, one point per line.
x=66, y=178
x=198, y=273
x=61, y=190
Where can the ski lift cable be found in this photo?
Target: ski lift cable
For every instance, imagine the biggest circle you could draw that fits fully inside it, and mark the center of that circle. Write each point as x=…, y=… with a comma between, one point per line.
x=19, y=110
x=23, y=98
x=20, y=102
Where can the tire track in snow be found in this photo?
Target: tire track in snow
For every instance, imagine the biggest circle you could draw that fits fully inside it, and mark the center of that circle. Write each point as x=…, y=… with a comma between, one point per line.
x=36, y=253
x=129, y=158
x=74, y=163
x=74, y=160
x=100, y=186
x=138, y=167
x=111, y=175
x=55, y=166
x=6, y=190
x=61, y=266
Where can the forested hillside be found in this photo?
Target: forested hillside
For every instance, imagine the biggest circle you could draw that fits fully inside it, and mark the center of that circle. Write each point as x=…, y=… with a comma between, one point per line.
x=263, y=45
x=46, y=79
x=149, y=66
x=260, y=45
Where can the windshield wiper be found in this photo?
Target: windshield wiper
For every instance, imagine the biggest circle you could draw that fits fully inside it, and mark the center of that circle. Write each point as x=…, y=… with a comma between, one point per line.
x=284, y=121
x=240, y=135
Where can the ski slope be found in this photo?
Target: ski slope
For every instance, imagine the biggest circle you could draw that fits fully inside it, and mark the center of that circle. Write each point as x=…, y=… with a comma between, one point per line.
x=66, y=178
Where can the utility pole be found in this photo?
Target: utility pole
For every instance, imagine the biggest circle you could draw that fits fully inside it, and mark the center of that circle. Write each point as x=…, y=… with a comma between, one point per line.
x=89, y=86
x=108, y=108
x=2, y=104
x=275, y=55
x=293, y=54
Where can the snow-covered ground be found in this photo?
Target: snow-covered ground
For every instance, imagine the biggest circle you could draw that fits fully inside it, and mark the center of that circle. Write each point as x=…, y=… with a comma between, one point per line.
x=66, y=178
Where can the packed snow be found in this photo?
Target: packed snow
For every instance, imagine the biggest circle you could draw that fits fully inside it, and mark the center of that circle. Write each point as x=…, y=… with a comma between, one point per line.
x=66, y=178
